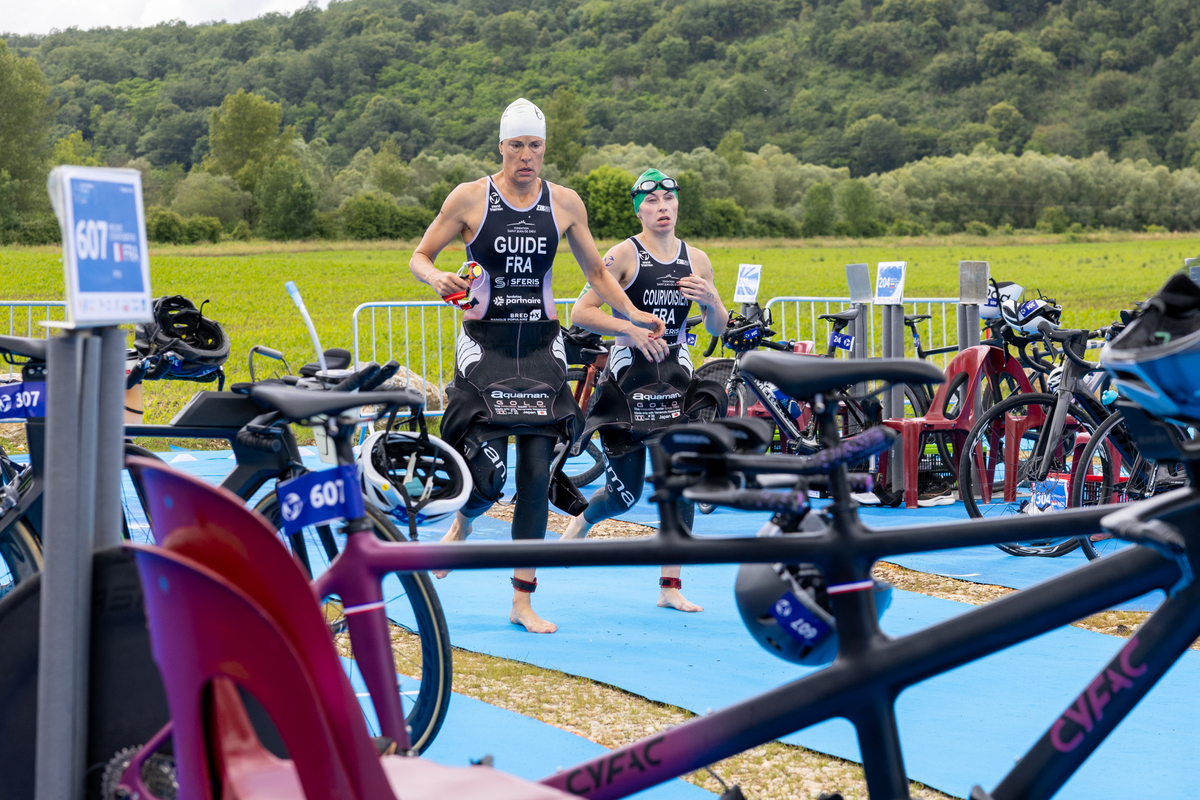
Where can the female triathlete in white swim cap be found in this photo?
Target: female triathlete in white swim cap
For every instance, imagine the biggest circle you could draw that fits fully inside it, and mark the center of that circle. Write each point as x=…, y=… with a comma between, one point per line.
x=522, y=118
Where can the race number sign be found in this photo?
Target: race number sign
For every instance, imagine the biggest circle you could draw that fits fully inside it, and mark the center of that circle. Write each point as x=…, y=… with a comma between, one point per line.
x=889, y=283
x=319, y=497
x=104, y=244
x=799, y=622
x=746, y=290
x=842, y=341
x=22, y=400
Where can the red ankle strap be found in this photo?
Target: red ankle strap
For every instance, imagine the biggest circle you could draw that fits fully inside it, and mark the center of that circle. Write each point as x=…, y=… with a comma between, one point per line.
x=670, y=583
x=529, y=587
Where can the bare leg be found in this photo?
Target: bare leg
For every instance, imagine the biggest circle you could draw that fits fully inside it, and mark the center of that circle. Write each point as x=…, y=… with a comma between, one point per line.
x=522, y=609
x=673, y=598
x=577, y=528
x=460, y=529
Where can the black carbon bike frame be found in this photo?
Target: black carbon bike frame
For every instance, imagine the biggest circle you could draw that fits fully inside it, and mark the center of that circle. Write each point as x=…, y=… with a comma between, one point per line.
x=872, y=668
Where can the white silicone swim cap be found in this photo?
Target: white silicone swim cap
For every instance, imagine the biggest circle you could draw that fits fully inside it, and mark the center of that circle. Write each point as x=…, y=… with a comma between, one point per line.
x=522, y=118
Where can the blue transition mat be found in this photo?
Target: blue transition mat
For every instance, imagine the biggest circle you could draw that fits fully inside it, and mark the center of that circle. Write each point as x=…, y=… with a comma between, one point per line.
x=965, y=727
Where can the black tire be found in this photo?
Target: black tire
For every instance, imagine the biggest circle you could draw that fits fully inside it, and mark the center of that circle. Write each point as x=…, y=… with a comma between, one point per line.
x=719, y=370
x=20, y=555
x=1110, y=474
x=596, y=464
x=428, y=658
x=978, y=486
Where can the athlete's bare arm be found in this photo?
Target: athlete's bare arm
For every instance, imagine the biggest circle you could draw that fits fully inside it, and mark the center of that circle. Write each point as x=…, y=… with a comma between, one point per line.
x=575, y=228
x=701, y=288
x=461, y=214
x=620, y=263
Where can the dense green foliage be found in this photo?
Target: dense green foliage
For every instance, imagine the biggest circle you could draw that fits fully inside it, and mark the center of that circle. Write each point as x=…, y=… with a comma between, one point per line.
x=959, y=114
x=849, y=83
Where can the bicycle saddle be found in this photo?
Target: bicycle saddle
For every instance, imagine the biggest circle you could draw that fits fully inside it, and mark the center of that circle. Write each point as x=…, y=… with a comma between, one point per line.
x=844, y=316
x=300, y=404
x=335, y=358
x=21, y=346
x=912, y=319
x=804, y=376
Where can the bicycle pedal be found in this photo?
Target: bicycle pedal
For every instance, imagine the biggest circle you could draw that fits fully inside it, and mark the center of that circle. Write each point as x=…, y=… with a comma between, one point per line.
x=733, y=793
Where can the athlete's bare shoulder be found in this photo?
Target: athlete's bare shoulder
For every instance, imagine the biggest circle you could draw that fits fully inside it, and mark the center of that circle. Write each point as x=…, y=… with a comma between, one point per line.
x=567, y=204
x=465, y=196
x=621, y=260
x=700, y=263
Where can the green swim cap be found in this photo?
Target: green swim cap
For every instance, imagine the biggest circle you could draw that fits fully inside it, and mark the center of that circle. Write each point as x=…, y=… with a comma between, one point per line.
x=651, y=174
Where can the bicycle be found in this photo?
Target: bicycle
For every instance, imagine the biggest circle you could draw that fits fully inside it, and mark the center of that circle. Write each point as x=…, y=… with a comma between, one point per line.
x=705, y=462
x=1028, y=449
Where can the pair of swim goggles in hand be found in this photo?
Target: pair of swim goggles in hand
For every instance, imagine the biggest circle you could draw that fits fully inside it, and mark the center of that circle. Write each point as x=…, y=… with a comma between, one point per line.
x=462, y=299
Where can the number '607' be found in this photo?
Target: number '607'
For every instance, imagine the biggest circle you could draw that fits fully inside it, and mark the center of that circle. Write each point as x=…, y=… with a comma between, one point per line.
x=329, y=493
x=91, y=239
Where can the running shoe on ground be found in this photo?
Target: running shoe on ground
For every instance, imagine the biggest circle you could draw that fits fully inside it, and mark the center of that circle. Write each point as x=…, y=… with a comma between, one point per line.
x=937, y=495
x=865, y=498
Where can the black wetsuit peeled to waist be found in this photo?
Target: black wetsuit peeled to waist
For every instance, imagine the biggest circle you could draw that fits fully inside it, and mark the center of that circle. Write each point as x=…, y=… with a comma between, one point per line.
x=636, y=397
x=510, y=363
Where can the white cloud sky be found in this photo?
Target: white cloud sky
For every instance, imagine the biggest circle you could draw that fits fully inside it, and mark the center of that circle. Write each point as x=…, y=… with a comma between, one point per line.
x=40, y=16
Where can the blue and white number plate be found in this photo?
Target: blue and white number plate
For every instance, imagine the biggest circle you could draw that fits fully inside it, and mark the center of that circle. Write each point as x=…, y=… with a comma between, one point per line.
x=22, y=400
x=842, y=341
x=319, y=497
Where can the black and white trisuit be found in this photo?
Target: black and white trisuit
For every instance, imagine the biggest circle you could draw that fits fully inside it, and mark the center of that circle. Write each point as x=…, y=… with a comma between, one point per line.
x=510, y=362
x=637, y=397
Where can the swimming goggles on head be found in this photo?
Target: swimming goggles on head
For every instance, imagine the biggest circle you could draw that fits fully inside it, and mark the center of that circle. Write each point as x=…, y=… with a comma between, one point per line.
x=647, y=186
x=471, y=271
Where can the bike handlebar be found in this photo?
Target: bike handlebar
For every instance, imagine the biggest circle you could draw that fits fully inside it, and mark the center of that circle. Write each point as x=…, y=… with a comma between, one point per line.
x=385, y=374
x=356, y=381
x=258, y=440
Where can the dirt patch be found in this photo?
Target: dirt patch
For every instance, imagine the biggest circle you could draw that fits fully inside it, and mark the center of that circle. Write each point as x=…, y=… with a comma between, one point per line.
x=608, y=529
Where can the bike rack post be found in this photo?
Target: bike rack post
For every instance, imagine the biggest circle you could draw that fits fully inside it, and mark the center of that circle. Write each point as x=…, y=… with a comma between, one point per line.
x=85, y=400
x=858, y=276
x=889, y=293
x=972, y=293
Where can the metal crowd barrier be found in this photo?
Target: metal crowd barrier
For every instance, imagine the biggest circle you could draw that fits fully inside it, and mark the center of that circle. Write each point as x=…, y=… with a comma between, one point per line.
x=421, y=335
x=796, y=318
x=24, y=318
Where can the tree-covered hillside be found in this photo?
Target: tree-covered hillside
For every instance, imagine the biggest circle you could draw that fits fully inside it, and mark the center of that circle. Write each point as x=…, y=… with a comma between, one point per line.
x=839, y=83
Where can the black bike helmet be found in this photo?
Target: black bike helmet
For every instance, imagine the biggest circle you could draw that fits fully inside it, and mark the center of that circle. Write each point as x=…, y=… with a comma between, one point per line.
x=787, y=610
x=742, y=335
x=1155, y=361
x=191, y=346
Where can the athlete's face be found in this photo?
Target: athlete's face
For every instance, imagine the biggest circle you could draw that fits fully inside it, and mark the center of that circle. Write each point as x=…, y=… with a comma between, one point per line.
x=522, y=158
x=659, y=211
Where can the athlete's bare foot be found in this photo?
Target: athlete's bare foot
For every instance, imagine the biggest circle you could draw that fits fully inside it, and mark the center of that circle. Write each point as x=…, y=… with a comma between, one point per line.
x=673, y=598
x=460, y=529
x=523, y=614
x=577, y=528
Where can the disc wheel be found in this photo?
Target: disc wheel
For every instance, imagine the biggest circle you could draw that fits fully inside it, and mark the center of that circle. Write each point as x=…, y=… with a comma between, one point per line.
x=420, y=641
x=1001, y=459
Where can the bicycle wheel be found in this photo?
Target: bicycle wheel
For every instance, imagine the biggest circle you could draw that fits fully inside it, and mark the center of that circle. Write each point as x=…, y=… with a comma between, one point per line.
x=1000, y=455
x=1109, y=473
x=420, y=641
x=719, y=370
x=20, y=555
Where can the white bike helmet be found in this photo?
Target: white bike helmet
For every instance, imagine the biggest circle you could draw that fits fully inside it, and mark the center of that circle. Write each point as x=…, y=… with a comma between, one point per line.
x=405, y=472
x=1000, y=292
x=1155, y=362
x=1033, y=317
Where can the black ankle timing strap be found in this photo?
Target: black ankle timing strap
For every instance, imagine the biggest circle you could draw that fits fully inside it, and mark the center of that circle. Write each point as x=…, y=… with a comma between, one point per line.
x=529, y=587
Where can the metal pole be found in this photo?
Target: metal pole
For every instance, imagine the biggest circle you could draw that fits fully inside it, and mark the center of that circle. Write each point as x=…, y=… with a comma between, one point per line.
x=66, y=581
x=897, y=393
x=110, y=437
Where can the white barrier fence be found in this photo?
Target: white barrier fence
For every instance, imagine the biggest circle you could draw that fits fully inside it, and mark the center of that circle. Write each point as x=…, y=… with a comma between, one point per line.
x=25, y=318
x=421, y=336
x=796, y=318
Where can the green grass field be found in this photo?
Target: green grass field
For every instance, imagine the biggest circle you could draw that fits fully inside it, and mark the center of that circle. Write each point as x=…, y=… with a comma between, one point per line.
x=244, y=282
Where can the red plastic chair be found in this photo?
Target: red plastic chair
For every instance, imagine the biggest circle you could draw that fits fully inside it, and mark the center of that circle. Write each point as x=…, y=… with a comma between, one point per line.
x=228, y=607
x=965, y=374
